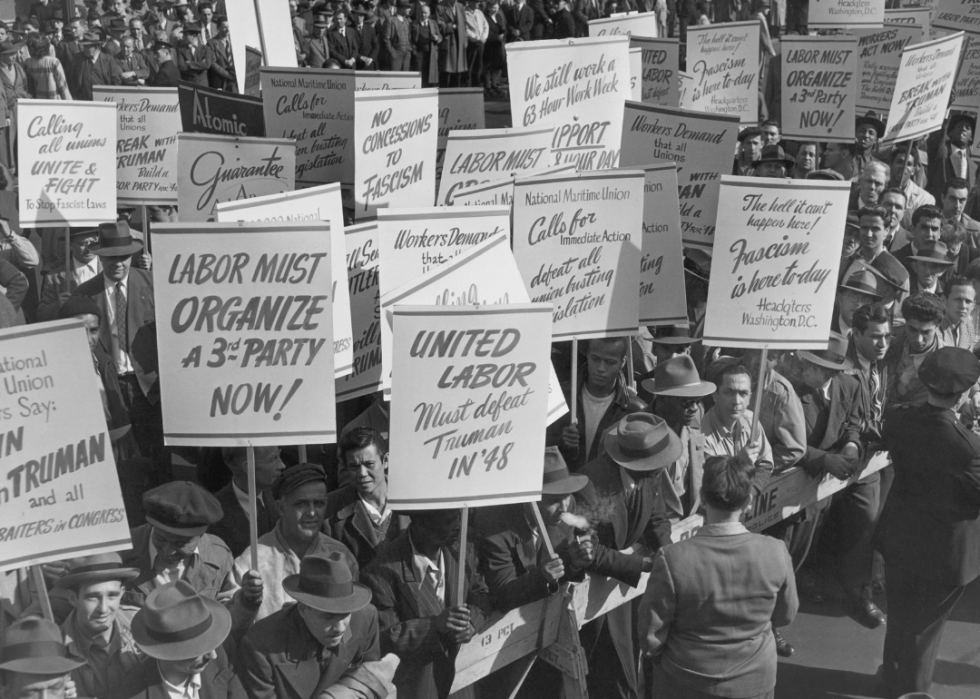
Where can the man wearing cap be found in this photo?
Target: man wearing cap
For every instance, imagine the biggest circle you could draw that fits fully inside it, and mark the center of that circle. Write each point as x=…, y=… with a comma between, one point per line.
x=868, y=130
x=192, y=56
x=306, y=647
x=414, y=582
x=656, y=344
x=839, y=157
x=128, y=335
x=604, y=399
x=167, y=73
x=96, y=67
x=34, y=661
x=300, y=494
x=929, y=265
x=117, y=28
x=859, y=289
x=678, y=393
x=626, y=476
x=317, y=48
x=173, y=545
x=949, y=155
x=368, y=41
x=233, y=527
x=397, y=40
x=929, y=531
x=749, y=150
x=182, y=633
x=773, y=163
x=921, y=336
x=98, y=628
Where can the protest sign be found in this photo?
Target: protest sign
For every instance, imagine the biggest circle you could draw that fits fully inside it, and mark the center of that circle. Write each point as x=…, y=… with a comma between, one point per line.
x=774, y=264
x=413, y=241
x=911, y=17
x=460, y=109
x=485, y=275
x=662, y=297
x=206, y=110
x=723, y=60
x=475, y=157
x=68, y=163
x=879, y=55
x=925, y=79
x=660, y=83
x=277, y=30
x=361, y=242
x=321, y=203
x=146, y=142
x=576, y=244
x=244, y=333
x=500, y=192
x=577, y=86
x=395, y=132
x=315, y=107
x=957, y=15
x=253, y=66
x=702, y=146
x=819, y=88
x=966, y=92
x=636, y=23
x=213, y=169
x=845, y=14
x=60, y=492
x=387, y=80
x=636, y=73
x=471, y=404
x=685, y=92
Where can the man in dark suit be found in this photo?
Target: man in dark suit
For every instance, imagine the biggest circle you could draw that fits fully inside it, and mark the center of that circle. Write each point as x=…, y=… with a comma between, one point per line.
x=929, y=532
x=358, y=515
x=167, y=74
x=949, y=155
x=192, y=56
x=317, y=48
x=584, y=11
x=96, y=67
x=132, y=64
x=397, y=38
x=520, y=21
x=894, y=286
x=368, y=41
x=626, y=479
x=342, y=41
x=955, y=195
x=414, y=581
x=306, y=647
x=221, y=72
x=233, y=528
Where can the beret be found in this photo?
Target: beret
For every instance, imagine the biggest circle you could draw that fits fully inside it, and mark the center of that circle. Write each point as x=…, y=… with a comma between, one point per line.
x=79, y=305
x=295, y=476
x=949, y=370
x=181, y=508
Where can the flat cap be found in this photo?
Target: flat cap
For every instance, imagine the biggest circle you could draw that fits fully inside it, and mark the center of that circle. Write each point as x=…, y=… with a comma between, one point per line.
x=950, y=370
x=182, y=508
x=295, y=476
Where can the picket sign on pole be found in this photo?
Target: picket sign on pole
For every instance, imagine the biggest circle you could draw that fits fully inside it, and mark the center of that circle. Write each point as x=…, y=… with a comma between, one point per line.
x=760, y=387
x=574, y=406
x=258, y=22
x=68, y=258
x=464, y=526
x=253, y=514
x=42, y=592
x=629, y=363
x=543, y=529
x=302, y=453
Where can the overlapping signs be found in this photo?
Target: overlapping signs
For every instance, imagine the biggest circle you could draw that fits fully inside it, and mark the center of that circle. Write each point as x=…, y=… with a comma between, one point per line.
x=879, y=55
x=842, y=14
x=819, y=87
x=723, y=60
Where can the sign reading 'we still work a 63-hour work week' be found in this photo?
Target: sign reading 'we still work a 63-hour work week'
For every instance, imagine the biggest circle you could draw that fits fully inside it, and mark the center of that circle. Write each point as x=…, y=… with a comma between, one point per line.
x=245, y=333
x=59, y=492
x=775, y=262
x=469, y=402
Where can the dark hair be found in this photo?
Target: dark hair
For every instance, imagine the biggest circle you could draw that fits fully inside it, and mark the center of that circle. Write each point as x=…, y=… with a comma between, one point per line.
x=849, y=146
x=727, y=482
x=973, y=270
x=361, y=438
x=924, y=307
x=878, y=211
x=905, y=153
x=926, y=211
x=867, y=314
x=955, y=183
x=958, y=280
x=772, y=122
x=733, y=370
x=952, y=235
x=894, y=190
x=38, y=46
x=621, y=340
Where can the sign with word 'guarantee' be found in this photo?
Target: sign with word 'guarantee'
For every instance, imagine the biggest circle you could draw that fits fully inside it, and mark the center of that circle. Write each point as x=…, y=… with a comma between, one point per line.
x=245, y=333
x=59, y=492
x=775, y=263
x=469, y=401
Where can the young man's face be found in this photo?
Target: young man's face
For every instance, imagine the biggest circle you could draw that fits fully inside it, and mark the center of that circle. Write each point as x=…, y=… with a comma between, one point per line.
x=770, y=134
x=732, y=396
x=872, y=344
x=96, y=605
x=927, y=230
x=872, y=233
x=366, y=468
x=328, y=629
x=961, y=135
x=902, y=167
x=806, y=159
x=894, y=204
x=954, y=202
x=960, y=303
x=867, y=137
x=833, y=155
x=303, y=510
x=605, y=360
x=91, y=323
x=920, y=335
x=752, y=148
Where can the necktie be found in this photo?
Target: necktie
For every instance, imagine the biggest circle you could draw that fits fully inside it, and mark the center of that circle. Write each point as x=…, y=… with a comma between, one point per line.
x=433, y=577
x=876, y=392
x=959, y=160
x=121, y=329
x=207, y=34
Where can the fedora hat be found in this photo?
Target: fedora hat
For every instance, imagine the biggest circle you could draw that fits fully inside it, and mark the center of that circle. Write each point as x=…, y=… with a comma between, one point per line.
x=671, y=335
x=834, y=357
x=9, y=47
x=949, y=370
x=35, y=646
x=871, y=120
x=176, y=623
x=116, y=239
x=91, y=39
x=557, y=478
x=863, y=282
x=774, y=154
x=831, y=175
x=678, y=377
x=325, y=582
x=934, y=252
x=642, y=442
x=102, y=567
x=959, y=118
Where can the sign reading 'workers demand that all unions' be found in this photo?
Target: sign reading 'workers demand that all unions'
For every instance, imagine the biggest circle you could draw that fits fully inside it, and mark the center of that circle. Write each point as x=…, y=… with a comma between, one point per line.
x=59, y=492
x=245, y=333
x=775, y=262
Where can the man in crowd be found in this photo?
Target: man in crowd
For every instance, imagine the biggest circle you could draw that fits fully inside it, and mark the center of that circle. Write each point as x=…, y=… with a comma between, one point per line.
x=929, y=266
x=892, y=200
x=955, y=194
x=868, y=130
x=859, y=289
x=959, y=326
x=872, y=253
x=233, y=527
x=806, y=160
x=839, y=157
x=749, y=150
x=192, y=56
x=904, y=166
x=924, y=314
x=95, y=68
x=870, y=185
x=134, y=69
x=167, y=73
x=85, y=265
x=221, y=62
x=368, y=41
x=397, y=40
x=317, y=48
x=949, y=155
x=773, y=163
x=927, y=226
x=770, y=133
x=34, y=661
x=342, y=43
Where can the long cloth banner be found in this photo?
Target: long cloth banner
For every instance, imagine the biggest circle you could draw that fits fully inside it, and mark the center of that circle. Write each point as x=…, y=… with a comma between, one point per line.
x=59, y=488
x=775, y=263
x=245, y=333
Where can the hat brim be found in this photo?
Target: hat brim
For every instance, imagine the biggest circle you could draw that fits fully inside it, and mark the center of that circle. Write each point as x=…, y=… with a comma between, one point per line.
x=566, y=486
x=879, y=126
x=52, y=665
x=195, y=647
x=96, y=576
x=845, y=365
x=186, y=531
x=13, y=49
x=934, y=261
x=876, y=297
x=662, y=459
x=673, y=340
x=358, y=599
x=787, y=162
x=698, y=390
x=117, y=251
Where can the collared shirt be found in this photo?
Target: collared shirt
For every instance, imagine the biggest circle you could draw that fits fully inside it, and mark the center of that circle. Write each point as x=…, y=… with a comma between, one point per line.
x=242, y=497
x=721, y=529
x=963, y=335
x=960, y=158
x=377, y=517
x=169, y=574
x=111, y=670
x=123, y=362
x=85, y=271
x=191, y=689
x=477, y=28
x=629, y=483
x=845, y=329
x=781, y=416
x=722, y=441
x=428, y=570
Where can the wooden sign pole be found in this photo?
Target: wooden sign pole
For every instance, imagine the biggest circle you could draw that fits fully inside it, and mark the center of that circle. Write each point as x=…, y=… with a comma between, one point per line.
x=543, y=529
x=68, y=259
x=42, y=592
x=253, y=514
x=760, y=387
x=574, y=405
x=464, y=526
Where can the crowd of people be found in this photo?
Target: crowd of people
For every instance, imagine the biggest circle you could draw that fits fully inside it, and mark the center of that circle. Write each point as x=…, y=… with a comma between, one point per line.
x=350, y=598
